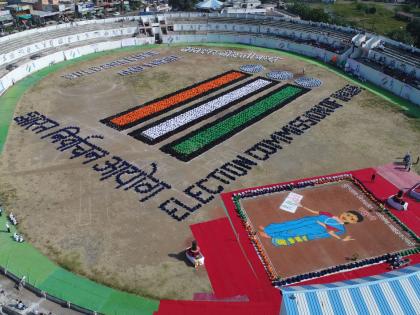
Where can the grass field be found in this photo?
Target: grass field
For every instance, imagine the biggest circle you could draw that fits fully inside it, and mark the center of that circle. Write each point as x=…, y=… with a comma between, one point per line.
x=382, y=22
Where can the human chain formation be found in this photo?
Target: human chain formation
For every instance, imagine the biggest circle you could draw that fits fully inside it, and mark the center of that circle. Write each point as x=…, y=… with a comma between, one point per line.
x=108, y=65
x=206, y=189
x=230, y=54
x=280, y=75
x=396, y=231
x=151, y=64
x=308, y=82
x=358, y=196
x=251, y=68
x=126, y=175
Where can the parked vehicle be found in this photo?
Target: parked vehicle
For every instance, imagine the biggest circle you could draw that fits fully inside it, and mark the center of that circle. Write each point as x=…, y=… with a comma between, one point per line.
x=11, y=67
x=35, y=56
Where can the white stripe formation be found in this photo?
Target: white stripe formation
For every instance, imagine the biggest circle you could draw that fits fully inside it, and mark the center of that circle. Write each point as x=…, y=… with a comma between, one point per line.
x=189, y=116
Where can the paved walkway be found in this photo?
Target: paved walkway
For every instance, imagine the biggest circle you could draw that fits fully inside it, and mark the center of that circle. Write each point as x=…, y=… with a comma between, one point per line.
x=10, y=295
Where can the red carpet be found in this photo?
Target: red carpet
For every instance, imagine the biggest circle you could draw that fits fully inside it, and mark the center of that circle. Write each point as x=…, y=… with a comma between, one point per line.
x=215, y=308
x=231, y=275
x=235, y=270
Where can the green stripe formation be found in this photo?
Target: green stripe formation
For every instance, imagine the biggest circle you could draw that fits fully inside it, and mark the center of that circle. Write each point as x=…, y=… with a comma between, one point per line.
x=201, y=140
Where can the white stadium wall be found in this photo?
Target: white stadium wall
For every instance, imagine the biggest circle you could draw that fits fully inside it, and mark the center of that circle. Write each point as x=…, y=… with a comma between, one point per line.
x=385, y=81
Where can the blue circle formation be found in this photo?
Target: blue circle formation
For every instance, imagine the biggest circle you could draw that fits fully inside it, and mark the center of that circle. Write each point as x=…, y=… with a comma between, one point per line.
x=252, y=68
x=280, y=75
x=308, y=82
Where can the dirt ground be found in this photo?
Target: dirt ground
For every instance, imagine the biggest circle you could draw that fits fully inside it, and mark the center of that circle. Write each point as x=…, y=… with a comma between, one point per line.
x=370, y=238
x=106, y=234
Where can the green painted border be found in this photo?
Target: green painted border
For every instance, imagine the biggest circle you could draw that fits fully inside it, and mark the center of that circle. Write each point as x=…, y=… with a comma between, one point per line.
x=25, y=260
x=22, y=259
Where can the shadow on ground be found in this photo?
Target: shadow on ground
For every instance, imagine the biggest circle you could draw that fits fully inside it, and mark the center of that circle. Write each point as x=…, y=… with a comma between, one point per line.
x=181, y=257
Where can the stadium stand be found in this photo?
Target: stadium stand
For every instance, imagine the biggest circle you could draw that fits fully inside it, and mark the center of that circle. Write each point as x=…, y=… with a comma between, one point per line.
x=399, y=63
x=9, y=46
x=394, y=292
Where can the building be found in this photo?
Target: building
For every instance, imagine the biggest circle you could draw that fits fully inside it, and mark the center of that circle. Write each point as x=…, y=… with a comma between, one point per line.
x=84, y=8
x=42, y=17
x=21, y=12
x=247, y=6
x=6, y=20
x=46, y=5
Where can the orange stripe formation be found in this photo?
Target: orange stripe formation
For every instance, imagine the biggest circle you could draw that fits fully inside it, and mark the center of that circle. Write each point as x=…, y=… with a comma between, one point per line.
x=163, y=104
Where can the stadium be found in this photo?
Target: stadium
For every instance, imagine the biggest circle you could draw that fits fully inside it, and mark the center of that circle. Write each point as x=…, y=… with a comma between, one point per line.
x=276, y=143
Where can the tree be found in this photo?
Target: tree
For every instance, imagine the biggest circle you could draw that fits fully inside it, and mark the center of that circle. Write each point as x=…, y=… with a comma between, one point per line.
x=184, y=5
x=401, y=36
x=310, y=14
x=372, y=10
x=414, y=29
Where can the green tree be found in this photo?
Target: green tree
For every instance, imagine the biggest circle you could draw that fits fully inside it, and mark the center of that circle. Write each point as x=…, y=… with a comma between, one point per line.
x=401, y=36
x=184, y=5
x=372, y=10
x=414, y=29
x=361, y=6
x=309, y=14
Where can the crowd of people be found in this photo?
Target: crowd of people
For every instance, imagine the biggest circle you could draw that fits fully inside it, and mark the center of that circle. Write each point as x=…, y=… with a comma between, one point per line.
x=251, y=68
x=392, y=71
x=280, y=75
x=18, y=237
x=397, y=261
x=12, y=302
x=308, y=82
x=13, y=219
